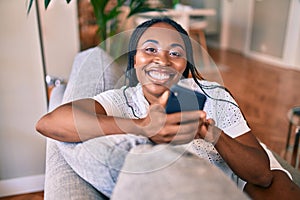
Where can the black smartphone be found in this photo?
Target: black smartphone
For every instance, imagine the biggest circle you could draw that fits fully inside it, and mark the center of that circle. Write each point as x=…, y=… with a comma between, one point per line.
x=183, y=99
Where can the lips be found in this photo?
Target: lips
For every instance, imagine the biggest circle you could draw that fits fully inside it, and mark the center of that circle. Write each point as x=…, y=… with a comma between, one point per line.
x=160, y=74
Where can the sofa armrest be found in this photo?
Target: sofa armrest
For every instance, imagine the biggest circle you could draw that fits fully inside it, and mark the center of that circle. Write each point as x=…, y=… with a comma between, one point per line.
x=93, y=71
x=56, y=97
x=293, y=171
x=61, y=182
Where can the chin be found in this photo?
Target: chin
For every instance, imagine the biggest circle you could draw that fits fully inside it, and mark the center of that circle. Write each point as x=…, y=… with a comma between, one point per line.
x=156, y=89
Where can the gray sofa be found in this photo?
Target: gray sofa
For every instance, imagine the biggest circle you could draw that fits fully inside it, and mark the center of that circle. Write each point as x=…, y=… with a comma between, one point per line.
x=93, y=71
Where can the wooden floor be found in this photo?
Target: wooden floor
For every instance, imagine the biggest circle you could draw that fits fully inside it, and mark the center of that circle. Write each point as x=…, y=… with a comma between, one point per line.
x=265, y=93
x=31, y=196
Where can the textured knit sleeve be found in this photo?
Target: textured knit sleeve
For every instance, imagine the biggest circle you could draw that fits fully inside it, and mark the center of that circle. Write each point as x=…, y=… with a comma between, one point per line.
x=110, y=101
x=221, y=107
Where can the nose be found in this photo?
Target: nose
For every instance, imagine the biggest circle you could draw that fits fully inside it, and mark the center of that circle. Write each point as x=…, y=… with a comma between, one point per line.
x=162, y=58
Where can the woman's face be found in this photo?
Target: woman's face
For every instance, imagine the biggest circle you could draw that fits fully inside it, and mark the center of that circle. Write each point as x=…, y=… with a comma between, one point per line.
x=160, y=59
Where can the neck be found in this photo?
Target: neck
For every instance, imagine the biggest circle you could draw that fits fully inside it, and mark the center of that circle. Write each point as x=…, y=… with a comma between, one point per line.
x=152, y=98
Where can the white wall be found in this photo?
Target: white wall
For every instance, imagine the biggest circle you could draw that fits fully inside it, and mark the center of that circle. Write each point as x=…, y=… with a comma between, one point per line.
x=239, y=18
x=269, y=29
x=298, y=50
x=22, y=95
x=292, y=43
x=234, y=24
x=61, y=36
x=275, y=42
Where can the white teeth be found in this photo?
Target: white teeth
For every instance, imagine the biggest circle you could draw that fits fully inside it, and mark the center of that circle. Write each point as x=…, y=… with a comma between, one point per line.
x=158, y=75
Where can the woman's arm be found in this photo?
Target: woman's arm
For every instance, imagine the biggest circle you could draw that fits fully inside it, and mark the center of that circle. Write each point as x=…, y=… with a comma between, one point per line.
x=246, y=158
x=82, y=120
x=86, y=119
x=244, y=155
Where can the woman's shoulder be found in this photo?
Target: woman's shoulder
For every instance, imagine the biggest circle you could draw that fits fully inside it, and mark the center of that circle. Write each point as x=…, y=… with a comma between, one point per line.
x=191, y=83
x=110, y=92
x=118, y=92
x=213, y=90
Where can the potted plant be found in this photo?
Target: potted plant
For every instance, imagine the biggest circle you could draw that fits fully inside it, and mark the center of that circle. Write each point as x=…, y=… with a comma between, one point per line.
x=106, y=17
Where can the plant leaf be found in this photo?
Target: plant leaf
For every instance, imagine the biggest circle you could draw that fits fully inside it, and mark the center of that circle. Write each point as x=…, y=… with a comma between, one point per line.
x=140, y=6
x=120, y=3
x=113, y=13
x=142, y=10
x=99, y=6
x=47, y=3
x=29, y=6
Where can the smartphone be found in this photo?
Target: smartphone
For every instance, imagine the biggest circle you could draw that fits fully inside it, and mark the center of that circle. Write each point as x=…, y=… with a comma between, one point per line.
x=183, y=99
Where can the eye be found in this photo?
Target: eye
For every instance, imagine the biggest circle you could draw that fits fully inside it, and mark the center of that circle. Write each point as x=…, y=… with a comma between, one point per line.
x=151, y=50
x=175, y=54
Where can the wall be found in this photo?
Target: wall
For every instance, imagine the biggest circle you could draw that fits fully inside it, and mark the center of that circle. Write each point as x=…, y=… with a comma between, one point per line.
x=298, y=50
x=255, y=29
x=234, y=24
x=292, y=43
x=61, y=36
x=269, y=29
x=23, y=101
x=273, y=39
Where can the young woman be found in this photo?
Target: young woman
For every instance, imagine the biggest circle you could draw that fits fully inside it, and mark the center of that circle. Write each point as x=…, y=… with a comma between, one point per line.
x=160, y=55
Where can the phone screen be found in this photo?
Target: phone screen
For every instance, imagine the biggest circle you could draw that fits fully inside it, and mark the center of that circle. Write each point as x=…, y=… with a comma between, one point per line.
x=183, y=99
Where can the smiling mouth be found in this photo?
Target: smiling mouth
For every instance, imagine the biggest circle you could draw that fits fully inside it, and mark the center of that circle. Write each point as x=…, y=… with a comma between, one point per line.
x=160, y=74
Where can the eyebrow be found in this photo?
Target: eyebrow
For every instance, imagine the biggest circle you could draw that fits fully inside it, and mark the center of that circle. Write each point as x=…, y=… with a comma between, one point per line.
x=177, y=45
x=156, y=42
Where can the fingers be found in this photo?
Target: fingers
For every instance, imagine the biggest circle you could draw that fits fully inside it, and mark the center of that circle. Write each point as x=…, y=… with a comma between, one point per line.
x=189, y=116
x=209, y=132
x=163, y=99
x=177, y=133
x=183, y=127
x=161, y=103
x=177, y=128
x=211, y=122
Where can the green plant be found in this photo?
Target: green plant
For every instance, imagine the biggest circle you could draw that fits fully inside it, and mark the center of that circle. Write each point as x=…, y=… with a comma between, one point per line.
x=105, y=18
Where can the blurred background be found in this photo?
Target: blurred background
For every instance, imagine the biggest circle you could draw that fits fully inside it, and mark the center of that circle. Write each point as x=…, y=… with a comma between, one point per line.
x=266, y=32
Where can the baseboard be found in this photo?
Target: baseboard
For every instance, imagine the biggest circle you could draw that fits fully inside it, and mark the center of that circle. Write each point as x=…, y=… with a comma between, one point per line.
x=22, y=185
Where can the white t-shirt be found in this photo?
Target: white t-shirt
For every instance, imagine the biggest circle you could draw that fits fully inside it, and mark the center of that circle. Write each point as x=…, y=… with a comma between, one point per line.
x=220, y=106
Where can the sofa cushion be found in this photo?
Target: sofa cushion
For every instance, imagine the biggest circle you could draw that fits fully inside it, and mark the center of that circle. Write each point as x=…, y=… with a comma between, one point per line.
x=93, y=71
x=175, y=170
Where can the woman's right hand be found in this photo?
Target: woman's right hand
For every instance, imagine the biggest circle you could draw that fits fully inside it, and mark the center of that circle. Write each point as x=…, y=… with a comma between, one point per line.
x=175, y=128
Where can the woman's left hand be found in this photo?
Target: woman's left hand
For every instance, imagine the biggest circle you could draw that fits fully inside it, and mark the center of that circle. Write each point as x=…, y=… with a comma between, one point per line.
x=208, y=131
